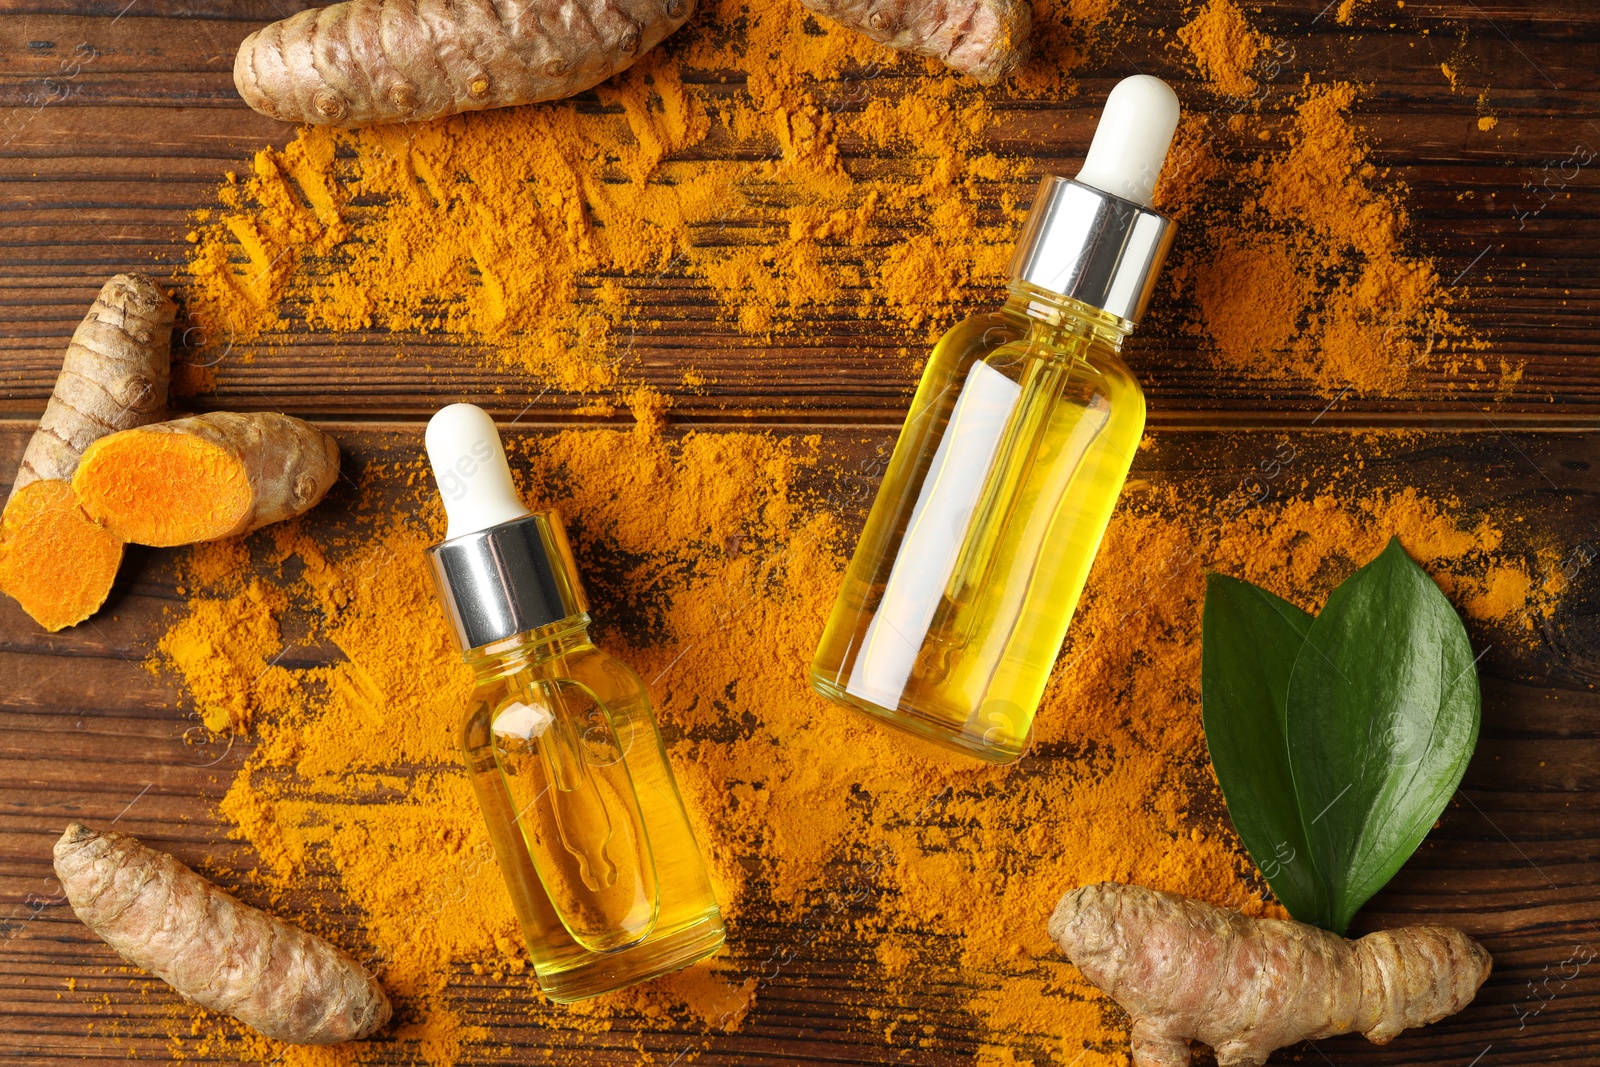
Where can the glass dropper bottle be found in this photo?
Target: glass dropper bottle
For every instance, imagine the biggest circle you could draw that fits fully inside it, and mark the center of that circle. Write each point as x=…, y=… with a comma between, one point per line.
x=560, y=741
x=1019, y=438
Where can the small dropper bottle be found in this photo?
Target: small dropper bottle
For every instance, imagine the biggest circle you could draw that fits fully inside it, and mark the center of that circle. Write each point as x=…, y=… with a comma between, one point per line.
x=1011, y=460
x=560, y=741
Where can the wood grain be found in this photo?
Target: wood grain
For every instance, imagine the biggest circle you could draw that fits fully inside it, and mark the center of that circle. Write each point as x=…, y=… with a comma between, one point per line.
x=1516, y=860
x=117, y=120
x=116, y=125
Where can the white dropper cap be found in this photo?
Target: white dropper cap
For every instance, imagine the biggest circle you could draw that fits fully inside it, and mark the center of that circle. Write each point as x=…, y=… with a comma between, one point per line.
x=470, y=468
x=1131, y=142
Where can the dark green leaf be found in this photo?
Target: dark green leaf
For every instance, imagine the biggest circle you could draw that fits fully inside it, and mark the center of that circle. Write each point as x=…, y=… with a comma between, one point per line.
x=1249, y=640
x=1382, y=718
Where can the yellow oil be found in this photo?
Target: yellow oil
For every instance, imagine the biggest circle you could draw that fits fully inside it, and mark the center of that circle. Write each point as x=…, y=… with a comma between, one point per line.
x=584, y=814
x=976, y=620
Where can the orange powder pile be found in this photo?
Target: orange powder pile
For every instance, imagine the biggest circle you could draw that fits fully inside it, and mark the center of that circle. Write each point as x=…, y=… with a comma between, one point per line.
x=1304, y=272
x=226, y=651
x=1225, y=47
x=538, y=231
x=712, y=561
x=784, y=170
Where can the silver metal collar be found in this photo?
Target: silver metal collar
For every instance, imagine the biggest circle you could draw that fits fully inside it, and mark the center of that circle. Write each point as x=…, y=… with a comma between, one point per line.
x=508, y=579
x=1094, y=247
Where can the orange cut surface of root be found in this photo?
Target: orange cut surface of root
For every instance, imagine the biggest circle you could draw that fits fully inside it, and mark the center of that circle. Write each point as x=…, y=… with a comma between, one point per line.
x=55, y=560
x=164, y=489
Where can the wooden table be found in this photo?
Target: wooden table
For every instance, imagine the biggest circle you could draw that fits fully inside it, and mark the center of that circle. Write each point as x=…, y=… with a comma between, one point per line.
x=117, y=118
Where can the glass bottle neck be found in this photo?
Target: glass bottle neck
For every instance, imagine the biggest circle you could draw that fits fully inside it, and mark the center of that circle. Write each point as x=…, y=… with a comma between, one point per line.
x=1057, y=319
x=531, y=648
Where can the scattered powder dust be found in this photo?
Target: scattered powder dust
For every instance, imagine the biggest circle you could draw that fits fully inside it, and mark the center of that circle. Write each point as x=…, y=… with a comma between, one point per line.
x=1256, y=272
x=225, y=649
x=784, y=170
x=1311, y=280
x=1225, y=46
x=1296, y=258
x=712, y=559
x=537, y=231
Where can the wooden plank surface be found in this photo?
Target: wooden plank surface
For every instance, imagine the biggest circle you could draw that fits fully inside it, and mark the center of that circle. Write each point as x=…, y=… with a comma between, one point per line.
x=116, y=125
x=117, y=120
x=86, y=732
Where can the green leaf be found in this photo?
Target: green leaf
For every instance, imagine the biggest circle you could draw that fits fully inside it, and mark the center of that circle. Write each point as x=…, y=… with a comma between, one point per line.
x=1383, y=714
x=1249, y=640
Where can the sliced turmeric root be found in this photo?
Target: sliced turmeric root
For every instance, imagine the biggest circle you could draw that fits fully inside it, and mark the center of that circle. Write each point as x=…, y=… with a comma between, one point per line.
x=54, y=560
x=205, y=477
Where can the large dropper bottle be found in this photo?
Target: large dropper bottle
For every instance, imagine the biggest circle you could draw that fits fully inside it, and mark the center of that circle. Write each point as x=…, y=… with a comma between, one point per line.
x=1010, y=462
x=560, y=741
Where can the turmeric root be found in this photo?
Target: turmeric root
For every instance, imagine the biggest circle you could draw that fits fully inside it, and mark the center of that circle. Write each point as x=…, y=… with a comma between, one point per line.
x=369, y=61
x=1187, y=970
x=215, y=951
x=54, y=560
x=205, y=477
x=986, y=39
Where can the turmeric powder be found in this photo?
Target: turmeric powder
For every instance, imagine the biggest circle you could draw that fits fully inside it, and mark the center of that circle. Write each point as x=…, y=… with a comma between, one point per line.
x=544, y=235
x=227, y=648
x=699, y=549
x=1312, y=282
x=541, y=233
x=1224, y=45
